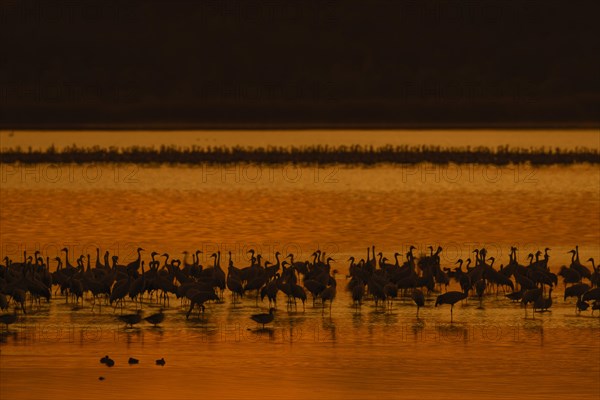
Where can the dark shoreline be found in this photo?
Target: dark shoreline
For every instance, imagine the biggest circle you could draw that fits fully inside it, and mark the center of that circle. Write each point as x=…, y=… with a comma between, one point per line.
x=325, y=155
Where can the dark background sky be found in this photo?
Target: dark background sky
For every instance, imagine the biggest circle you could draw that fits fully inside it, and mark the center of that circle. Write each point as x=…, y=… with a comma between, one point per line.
x=159, y=63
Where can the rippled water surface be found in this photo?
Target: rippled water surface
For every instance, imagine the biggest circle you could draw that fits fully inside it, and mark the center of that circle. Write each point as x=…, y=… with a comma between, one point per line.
x=499, y=351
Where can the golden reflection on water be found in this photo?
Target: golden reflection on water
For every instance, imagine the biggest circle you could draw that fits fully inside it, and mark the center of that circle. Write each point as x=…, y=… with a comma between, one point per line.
x=496, y=352
x=172, y=209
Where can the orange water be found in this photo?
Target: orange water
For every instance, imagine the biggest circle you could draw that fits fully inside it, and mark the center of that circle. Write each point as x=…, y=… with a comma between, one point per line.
x=495, y=352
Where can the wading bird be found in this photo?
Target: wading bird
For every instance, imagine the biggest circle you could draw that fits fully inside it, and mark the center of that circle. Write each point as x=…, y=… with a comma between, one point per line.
x=451, y=298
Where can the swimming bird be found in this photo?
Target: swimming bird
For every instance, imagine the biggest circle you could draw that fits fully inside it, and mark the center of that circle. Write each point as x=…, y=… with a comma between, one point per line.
x=131, y=319
x=104, y=359
x=419, y=299
x=156, y=318
x=264, y=318
x=161, y=362
x=133, y=361
x=109, y=362
x=451, y=298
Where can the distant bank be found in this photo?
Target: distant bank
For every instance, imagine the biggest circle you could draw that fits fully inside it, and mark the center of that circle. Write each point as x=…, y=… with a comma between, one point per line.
x=320, y=154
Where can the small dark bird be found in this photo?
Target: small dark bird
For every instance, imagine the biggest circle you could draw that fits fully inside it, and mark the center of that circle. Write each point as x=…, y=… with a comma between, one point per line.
x=110, y=362
x=156, y=319
x=161, y=362
x=8, y=319
x=101, y=378
x=133, y=361
x=264, y=318
x=131, y=319
x=104, y=359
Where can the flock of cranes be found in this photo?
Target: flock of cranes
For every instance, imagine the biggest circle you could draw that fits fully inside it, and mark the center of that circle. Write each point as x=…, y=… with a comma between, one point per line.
x=374, y=278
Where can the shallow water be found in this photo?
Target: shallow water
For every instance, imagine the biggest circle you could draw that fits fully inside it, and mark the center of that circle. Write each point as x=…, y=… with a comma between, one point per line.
x=495, y=352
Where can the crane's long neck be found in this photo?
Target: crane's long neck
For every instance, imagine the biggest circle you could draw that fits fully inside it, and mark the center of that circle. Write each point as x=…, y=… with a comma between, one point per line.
x=277, y=258
x=396, y=258
x=577, y=253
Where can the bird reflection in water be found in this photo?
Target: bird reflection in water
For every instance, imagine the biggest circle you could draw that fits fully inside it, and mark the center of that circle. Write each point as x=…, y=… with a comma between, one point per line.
x=328, y=331
x=452, y=333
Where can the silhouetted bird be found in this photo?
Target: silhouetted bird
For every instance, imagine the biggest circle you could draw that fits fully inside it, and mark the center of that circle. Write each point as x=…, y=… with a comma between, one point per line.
x=576, y=290
x=419, y=299
x=161, y=362
x=8, y=319
x=582, y=305
x=264, y=318
x=450, y=298
x=156, y=319
x=133, y=361
x=592, y=294
x=531, y=296
x=131, y=319
x=515, y=296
